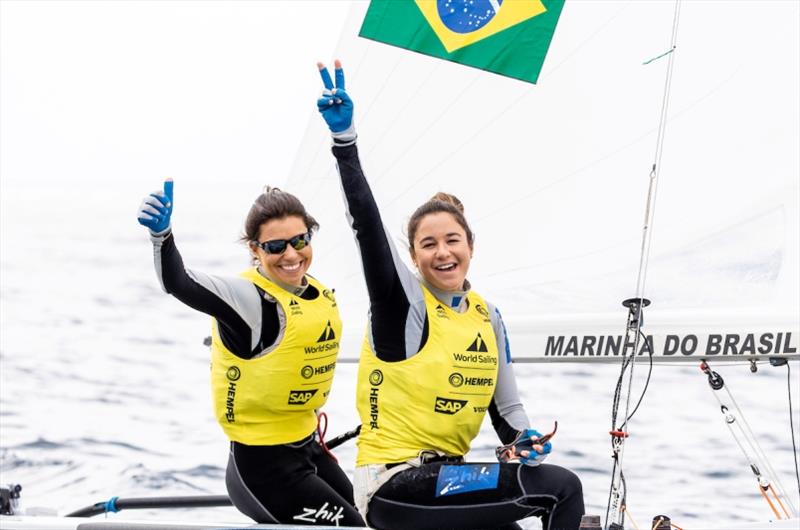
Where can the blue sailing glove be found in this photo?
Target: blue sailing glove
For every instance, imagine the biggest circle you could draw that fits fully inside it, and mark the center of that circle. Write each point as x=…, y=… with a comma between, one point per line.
x=530, y=447
x=335, y=105
x=156, y=209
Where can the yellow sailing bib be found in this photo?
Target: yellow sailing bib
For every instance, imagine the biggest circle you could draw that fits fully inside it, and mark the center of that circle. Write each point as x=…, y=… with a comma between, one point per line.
x=270, y=400
x=436, y=399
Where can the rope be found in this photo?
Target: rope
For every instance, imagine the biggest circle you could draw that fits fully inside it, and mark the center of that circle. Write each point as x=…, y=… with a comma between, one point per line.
x=644, y=258
x=322, y=428
x=779, y=501
x=751, y=440
x=791, y=424
x=630, y=516
x=764, y=494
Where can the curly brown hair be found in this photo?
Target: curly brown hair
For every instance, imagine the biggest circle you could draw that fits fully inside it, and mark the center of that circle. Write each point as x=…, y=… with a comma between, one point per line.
x=441, y=202
x=274, y=204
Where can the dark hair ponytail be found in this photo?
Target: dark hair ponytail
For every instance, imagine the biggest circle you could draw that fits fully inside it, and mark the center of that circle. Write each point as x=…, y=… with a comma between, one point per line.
x=274, y=204
x=441, y=202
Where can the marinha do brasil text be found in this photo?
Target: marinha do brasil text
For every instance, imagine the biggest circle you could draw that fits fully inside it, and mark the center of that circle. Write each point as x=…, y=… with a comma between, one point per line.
x=711, y=344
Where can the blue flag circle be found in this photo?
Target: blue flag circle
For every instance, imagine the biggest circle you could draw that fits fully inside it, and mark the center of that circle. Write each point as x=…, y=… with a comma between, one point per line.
x=466, y=16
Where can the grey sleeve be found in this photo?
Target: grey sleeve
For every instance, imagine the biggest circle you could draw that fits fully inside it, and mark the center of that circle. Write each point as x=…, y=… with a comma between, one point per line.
x=506, y=410
x=233, y=301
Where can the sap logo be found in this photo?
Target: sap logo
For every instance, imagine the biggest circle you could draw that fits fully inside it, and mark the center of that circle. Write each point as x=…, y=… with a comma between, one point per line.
x=441, y=313
x=300, y=397
x=448, y=406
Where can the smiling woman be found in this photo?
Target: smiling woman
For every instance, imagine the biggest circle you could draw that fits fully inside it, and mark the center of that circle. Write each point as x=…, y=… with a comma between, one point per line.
x=434, y=361
x=278, y=232
x=265, y=394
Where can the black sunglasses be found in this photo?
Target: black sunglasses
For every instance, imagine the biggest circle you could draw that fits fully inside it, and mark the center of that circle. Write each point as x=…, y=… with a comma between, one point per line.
x=278, y=246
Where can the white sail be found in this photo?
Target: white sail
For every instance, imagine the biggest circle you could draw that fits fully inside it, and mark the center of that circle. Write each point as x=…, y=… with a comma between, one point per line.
x=554, y=177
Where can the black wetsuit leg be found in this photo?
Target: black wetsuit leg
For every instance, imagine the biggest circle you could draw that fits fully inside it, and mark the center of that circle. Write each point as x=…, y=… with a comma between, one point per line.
x=290, y=484
x=416, y=498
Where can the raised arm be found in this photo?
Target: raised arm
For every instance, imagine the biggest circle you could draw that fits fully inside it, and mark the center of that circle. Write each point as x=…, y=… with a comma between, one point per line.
x=242, y=315
x=397, y=327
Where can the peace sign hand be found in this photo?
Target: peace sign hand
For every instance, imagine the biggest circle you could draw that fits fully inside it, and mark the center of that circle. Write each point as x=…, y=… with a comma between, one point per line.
x=335, y=105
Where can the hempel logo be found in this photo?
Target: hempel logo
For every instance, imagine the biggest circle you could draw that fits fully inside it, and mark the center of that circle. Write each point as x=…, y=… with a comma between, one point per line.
x=457, y=380
x=482, y=310
x=233, y=374
x=308, y=371
x=375, y=379
x=328, y=293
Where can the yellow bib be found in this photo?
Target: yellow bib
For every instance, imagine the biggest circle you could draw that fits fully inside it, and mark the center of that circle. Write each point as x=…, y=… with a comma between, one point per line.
x=436, y=399
x=270, y=400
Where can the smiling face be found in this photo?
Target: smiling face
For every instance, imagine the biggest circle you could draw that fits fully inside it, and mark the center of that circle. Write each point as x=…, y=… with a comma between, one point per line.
x=291, y=265
x=442, y=251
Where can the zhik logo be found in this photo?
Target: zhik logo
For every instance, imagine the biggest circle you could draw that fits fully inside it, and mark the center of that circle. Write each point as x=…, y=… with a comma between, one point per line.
x=323, y=513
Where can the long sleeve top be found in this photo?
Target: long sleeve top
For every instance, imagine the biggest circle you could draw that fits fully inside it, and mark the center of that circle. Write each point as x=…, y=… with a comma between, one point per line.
x=250, y=321
x=398, y=323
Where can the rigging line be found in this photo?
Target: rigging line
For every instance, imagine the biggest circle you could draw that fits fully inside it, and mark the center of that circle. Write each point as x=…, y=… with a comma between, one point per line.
x=646, y=383
x=646, y=229
x=331, y=168
x=521, y=198
x=421, y=135
x=791, y=424
x=760, y=453
x=401, y=110
x=342, y=34
x=759, y=456
x=508, y=108
x=656, y=170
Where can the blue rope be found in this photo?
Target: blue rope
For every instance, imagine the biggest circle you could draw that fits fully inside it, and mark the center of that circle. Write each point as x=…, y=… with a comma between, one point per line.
x=111, y=505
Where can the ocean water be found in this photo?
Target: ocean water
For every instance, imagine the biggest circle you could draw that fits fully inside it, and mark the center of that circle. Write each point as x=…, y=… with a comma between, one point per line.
x=104, y=380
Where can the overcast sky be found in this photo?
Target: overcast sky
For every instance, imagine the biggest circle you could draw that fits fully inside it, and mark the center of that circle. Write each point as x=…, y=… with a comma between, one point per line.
x=93, y=90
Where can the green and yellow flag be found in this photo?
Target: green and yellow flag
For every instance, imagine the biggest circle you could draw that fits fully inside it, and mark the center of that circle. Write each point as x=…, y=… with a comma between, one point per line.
x=507, y=37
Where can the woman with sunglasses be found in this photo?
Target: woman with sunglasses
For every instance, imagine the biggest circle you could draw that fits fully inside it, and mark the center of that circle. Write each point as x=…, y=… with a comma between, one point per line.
x=435, y=360
x=274, y=342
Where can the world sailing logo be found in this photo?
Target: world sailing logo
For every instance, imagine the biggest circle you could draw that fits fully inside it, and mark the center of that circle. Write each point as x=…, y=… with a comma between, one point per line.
x=327, y=333
x=478, y=345
x=324, y=342
x=294, y=307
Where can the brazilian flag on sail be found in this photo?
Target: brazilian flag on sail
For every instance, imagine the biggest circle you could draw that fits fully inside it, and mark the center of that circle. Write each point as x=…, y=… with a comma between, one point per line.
x=507, y=37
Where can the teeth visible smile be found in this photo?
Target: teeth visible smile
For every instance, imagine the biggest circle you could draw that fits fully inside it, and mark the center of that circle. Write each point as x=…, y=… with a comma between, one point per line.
x=292, y=267
x=448, y=267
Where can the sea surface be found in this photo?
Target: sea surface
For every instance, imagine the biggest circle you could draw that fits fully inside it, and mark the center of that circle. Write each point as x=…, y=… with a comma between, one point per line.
x=104, y=378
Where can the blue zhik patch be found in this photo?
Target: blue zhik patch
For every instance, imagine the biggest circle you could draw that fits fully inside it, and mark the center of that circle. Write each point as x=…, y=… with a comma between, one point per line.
x=461, y=479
